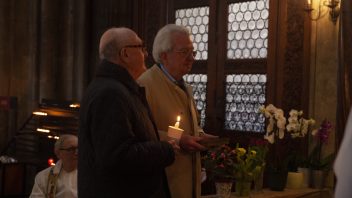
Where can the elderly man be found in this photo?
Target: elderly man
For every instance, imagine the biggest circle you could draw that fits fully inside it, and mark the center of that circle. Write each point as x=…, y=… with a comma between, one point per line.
x=120, y=152
x=168, y=96
x=59, y=180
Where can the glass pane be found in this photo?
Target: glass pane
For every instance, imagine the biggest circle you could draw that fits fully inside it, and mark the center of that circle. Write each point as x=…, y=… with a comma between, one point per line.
x=199, y=85
x=196, y=20
x=245, y=93
x=248, y=26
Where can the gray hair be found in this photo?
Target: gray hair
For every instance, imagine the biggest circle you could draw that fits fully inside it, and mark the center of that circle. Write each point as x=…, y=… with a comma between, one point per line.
x=61, y=140
x=113, y=40
x=163, y=41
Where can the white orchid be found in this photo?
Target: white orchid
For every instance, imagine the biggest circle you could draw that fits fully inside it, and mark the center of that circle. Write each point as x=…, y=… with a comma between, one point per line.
x=298, y=126
x=277, y=122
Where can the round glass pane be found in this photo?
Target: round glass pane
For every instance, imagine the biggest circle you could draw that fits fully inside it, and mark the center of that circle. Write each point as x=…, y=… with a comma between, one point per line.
x=262, y=79
x=238, y=53
x=251, y=6
x=260, y=24
x=266, y=43
x=231, y=35
x=231, y=17
x=229, y=78
x=205, y=38
x=247, y=34
x=242, y=44
x=255, y=34
x=256, y=15
x=178, y=22
x=265, y=14
x=184, y=21
x=250, y=43
x=195, y=12
x=243, y=25
x=202, y=29
x=202, y=11
x=239, y=16
x=259, y=43
x=251, y=25
x=195, y=29
x=239, y=35
x=234, y=44
x=254, y=79
x=235, y=26
x=205, y=20
x=182, y=13
x=263, y=53
x=244, y=6
x=246, y=53
x=198, y=20
x=191, y=21
x=204, y=78
x=260, y=5
x=247, y=16
x=198, y=38
x=264, y=33
x=204, y=55
x=200, y=46
x=235, y=7
x=254, y=53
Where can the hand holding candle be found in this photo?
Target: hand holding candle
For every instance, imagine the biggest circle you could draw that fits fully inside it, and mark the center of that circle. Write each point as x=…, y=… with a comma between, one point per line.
x=174, y=131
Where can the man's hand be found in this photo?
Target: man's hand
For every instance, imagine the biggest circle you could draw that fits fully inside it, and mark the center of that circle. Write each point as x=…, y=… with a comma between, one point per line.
x=190, y=143
x=174, y=145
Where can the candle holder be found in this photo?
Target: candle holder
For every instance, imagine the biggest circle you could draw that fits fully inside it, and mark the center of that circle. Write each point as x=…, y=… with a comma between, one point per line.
x=174, y=132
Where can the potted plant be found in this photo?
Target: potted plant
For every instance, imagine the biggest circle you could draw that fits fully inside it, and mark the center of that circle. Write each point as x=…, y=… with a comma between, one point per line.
x=284, y=148
x=319, y=164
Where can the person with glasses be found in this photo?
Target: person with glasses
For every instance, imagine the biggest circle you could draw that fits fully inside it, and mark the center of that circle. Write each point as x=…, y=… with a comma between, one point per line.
x=168, y=97
x=120, y=154
x=60, y=180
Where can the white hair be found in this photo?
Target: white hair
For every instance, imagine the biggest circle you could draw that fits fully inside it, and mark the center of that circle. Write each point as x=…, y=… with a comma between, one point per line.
x=62, y=139
x=163, y=39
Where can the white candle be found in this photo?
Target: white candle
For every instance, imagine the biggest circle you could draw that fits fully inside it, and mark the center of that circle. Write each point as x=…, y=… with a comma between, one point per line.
x=177, y=124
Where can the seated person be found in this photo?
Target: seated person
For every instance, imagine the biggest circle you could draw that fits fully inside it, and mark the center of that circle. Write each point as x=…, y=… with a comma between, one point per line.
x=60, y=180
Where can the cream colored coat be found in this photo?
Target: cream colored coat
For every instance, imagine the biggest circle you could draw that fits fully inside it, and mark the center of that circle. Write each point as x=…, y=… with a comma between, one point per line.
x=167, y=101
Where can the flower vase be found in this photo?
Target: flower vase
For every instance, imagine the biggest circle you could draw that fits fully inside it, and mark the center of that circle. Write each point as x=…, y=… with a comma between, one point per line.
x=294, y=180
x=223, y=189
x=243, y=188
x=318, y=179
x=306, y=176
x=258, y=182
x=277, y=180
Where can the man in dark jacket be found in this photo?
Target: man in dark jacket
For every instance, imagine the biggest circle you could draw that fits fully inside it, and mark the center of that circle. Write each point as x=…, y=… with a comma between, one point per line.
x=120, y=154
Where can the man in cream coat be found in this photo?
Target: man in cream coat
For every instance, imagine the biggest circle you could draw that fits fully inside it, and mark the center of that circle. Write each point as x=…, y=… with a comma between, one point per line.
x=168, y=97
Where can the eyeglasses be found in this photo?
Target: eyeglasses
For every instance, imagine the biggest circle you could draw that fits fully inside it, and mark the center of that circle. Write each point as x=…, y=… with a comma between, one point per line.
x=70, y=149
x=141, y=46
x=186, y=52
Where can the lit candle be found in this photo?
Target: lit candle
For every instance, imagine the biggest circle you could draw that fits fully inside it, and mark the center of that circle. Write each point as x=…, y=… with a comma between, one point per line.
x=309, y=2
x=177, y=124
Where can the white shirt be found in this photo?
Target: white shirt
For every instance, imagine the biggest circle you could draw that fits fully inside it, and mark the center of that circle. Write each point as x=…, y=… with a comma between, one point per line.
x=66, y=184
x=342, y=166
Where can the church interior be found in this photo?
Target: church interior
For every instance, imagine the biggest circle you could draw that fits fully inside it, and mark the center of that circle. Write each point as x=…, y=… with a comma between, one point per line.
x=294, y=54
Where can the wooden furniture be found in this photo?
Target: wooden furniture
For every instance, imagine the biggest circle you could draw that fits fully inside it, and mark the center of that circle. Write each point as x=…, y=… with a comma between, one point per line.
x=287, y=193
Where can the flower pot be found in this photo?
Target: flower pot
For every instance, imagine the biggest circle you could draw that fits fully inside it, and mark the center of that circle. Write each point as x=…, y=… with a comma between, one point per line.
x=223, y=189
x=277, y=180
x=306, y=176
x=243, y=188
x=318, y=179
x=294, y=180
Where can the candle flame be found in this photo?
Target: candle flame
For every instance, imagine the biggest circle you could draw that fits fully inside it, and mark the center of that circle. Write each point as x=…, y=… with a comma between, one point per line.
x=178, y=118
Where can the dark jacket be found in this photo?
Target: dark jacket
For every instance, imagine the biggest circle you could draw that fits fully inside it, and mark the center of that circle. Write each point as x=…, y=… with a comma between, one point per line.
x=120, y=154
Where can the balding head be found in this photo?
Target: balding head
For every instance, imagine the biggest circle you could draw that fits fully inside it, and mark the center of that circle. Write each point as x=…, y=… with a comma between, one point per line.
x=113, y=40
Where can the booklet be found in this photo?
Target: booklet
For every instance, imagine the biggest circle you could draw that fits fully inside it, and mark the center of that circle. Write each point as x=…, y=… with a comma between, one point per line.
x=214, y=142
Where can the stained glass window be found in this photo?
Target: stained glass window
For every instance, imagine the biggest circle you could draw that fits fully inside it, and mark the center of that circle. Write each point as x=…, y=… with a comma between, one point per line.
x=199, y=85
x=248, y=30
x=197, y=21
x=245, y=93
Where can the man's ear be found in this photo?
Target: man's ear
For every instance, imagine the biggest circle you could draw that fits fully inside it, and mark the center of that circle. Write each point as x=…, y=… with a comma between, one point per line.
x=123, y=53
x=163, y=57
